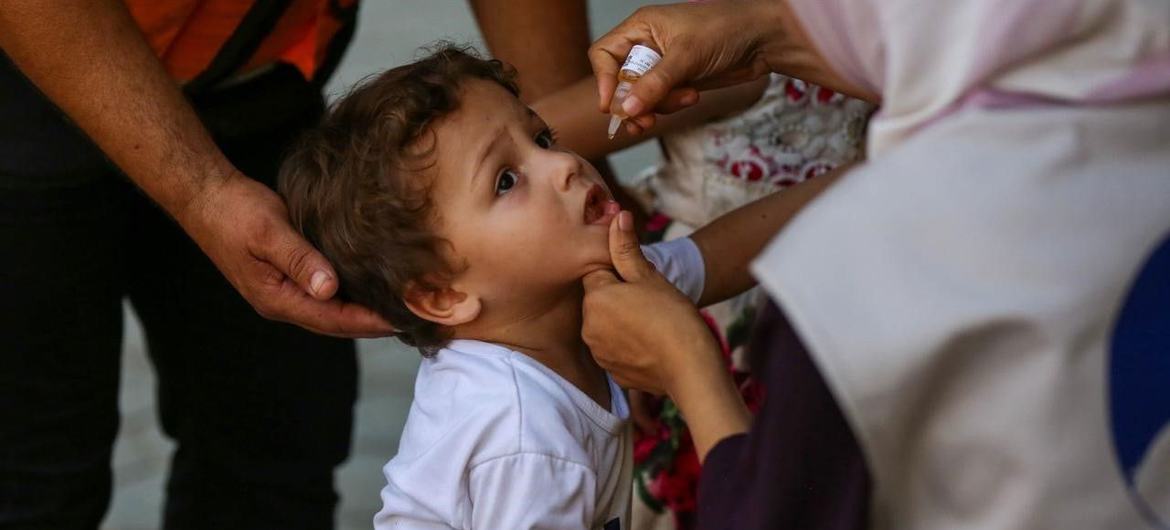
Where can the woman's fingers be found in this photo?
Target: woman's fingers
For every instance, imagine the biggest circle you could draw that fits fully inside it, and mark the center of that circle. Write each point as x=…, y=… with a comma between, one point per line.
x=677, y=99
x=598, y=279
x=625, y=250
x=703, y=45
x=734, y=76
x=606, y=61
x=607, y=54
x=652, y=89
x=640, y=328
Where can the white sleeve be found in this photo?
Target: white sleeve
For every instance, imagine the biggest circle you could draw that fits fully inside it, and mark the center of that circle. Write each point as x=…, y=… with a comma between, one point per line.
x=531, y=491
x=680, y=261
x=409, y=510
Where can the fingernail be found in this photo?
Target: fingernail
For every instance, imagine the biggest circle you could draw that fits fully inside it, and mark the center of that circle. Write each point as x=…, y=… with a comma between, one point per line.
x=317, y=281
x=690, y=98
x=612, y=207
x=625, y=221
x=632, y=106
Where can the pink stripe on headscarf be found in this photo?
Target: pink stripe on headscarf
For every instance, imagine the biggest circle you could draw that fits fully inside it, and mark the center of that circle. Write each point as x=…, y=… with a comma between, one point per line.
x=840, y=41
x=1150, y=77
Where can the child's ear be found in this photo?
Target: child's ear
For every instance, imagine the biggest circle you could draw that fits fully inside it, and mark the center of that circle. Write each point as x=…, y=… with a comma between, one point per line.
x=441, y=305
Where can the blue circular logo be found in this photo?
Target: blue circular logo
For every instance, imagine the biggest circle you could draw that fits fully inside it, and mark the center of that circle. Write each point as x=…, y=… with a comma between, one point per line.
x=1139, y=388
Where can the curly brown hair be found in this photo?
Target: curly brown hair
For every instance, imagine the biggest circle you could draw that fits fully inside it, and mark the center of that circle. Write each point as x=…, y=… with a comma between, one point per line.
x=352, y=186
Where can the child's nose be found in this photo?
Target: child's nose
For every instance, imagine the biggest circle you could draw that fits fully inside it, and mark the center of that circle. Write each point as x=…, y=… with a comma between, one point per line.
x=566, y=168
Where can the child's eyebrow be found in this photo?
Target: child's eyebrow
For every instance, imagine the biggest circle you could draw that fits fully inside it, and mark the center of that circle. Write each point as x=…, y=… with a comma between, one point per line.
x=532, y=115
x=498, y=134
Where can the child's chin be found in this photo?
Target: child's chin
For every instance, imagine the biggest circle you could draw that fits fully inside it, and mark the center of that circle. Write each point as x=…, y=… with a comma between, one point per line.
x=595, y=257
x=596, y=251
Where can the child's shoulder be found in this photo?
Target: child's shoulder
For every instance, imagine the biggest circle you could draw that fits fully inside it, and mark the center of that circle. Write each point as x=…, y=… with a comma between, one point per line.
x=488, y=420
x=493, y=400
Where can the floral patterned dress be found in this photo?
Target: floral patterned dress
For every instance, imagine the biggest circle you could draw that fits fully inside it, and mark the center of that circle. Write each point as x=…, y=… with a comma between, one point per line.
x=795, y=132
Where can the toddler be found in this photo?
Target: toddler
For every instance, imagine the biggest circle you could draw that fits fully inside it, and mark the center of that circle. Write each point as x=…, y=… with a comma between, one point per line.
x=446, y=205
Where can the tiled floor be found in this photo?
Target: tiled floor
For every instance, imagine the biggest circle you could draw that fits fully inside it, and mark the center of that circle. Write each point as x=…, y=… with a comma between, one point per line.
x=390, y=33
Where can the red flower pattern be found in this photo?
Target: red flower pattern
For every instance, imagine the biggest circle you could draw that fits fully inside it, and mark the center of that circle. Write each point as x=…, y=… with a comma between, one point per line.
x=753, y=152
x=666, y=462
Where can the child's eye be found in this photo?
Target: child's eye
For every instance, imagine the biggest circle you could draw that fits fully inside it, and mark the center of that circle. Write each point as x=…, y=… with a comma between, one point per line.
x=546, y=138
x=506, y=181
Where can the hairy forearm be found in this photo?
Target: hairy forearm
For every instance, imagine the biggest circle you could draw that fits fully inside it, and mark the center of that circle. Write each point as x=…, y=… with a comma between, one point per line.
x=545, y=41
x=581, y=128
x=91, y=60
x=732, y=241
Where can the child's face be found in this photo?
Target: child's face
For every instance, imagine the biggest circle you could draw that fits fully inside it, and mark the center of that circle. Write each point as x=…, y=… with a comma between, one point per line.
x=524, y=217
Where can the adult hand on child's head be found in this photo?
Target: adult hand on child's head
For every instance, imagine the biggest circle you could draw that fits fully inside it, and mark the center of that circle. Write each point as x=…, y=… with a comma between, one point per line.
x=703, y=46
x=639, y=327
x=243, y=227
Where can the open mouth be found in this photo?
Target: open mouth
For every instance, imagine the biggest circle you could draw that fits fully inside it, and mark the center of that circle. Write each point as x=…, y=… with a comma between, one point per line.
x=599, y=207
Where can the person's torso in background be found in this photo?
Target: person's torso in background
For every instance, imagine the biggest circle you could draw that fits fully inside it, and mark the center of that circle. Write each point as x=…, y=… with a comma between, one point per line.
x=187, y=35
x=794, y=132
x=192, y=38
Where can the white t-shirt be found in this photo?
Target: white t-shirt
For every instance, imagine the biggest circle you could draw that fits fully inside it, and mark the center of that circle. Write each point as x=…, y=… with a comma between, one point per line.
x=497, y=441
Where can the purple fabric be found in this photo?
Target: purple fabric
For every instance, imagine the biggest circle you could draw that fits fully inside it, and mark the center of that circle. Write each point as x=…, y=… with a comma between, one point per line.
x=800, y=466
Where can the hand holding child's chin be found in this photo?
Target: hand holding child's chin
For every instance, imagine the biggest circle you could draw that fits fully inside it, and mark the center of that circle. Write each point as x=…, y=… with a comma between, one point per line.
x=637, y=325
x=597, y=259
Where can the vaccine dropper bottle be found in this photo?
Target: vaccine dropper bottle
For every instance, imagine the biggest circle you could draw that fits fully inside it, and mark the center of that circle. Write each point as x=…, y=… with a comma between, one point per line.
x=640, y=60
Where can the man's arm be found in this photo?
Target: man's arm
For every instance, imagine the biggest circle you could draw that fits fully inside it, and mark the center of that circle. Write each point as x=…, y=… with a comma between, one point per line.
x=91, y=60
x=582, y=129
x=546, y=41
x=731, y=242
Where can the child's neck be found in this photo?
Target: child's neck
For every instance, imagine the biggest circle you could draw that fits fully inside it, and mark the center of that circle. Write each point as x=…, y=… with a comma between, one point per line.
x=550, y=332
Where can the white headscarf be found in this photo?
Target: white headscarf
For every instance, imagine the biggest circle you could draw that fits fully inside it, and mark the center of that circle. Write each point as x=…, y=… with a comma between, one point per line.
x=960, y=290
x=929, y=59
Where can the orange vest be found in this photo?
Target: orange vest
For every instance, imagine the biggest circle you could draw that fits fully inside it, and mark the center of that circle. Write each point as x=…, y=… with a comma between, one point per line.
x=187, y=35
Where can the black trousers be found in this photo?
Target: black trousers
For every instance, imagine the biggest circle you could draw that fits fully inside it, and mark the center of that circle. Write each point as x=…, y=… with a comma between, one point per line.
x=261, y=411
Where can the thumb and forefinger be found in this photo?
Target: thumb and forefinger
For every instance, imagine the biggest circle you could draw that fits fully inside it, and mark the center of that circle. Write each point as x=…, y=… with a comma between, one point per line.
x=290, y=256
x=625, y=251
x=304, y=265
x=659, y=89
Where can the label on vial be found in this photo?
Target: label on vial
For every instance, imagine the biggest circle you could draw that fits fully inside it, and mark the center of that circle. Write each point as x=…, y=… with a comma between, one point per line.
x=640, y=60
